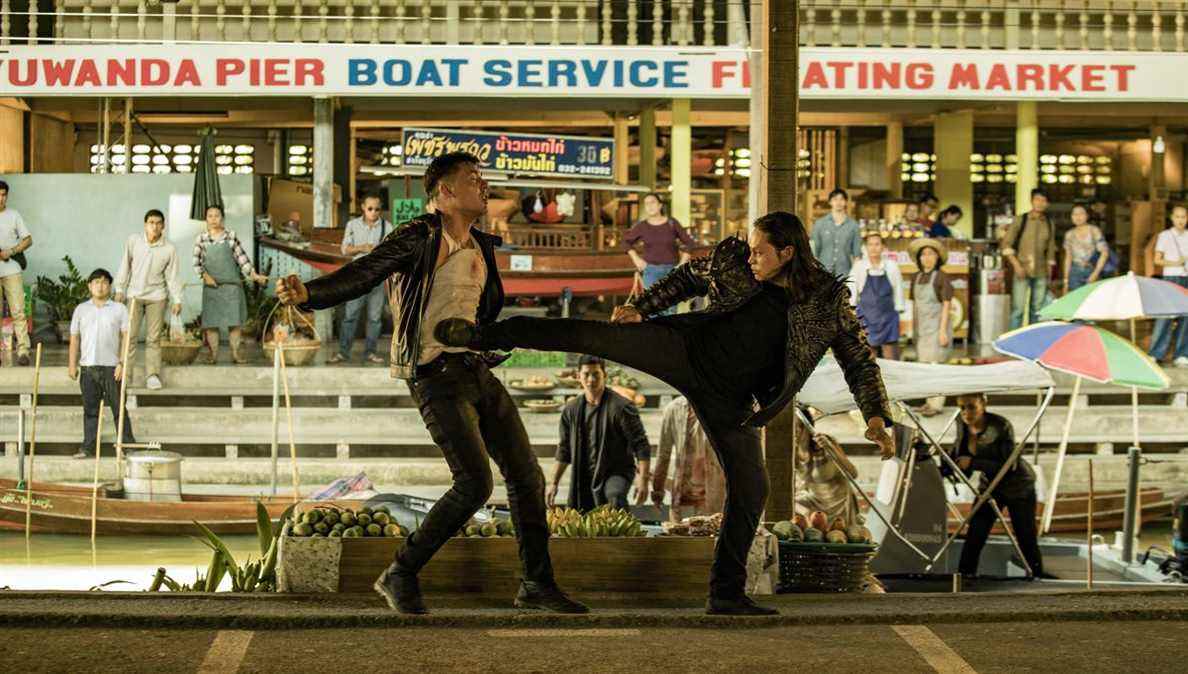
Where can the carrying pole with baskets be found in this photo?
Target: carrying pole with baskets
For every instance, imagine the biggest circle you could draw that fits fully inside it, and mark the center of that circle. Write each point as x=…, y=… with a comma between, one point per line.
x=281, y=349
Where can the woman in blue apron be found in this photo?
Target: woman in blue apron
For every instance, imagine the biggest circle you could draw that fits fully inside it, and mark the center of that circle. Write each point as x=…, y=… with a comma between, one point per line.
x=219, y=260
x=878, y=295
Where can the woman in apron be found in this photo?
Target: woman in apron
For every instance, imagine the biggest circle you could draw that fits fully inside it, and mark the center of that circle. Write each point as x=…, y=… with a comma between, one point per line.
x=932, y=292
x=878, y=296
x=219, y=260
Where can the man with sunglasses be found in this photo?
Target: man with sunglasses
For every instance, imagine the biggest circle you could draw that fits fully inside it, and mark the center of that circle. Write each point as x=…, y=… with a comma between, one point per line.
x=444, y=267
x=362, y=235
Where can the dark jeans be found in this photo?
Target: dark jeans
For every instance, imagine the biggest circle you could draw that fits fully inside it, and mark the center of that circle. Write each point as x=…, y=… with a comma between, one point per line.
x=470, y=416
x=659, y=348
x=1022, y=512
x=99, y=383
x=614, y=491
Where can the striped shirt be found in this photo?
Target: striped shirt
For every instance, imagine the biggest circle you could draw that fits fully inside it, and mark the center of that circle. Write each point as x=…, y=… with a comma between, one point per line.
x=205, y=239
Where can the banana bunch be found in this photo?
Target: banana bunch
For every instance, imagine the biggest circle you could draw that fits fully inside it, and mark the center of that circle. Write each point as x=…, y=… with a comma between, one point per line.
x=601, y=522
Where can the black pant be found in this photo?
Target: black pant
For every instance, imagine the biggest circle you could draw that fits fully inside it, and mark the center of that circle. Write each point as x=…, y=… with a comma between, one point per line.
x=1022, y=512
x=99, y=383
x=659, y=348
x=470, y=416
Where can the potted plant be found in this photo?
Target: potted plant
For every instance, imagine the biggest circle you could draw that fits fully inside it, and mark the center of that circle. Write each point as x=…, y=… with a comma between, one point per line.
x=62, y=296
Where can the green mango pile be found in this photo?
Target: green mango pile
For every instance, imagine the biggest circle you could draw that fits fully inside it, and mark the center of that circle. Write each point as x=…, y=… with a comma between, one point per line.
x=493, y=529
x=797, y=532
x=334, y=522
x=601, y=522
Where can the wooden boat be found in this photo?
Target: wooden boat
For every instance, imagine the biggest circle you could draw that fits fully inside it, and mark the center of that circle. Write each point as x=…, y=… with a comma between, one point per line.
x=66, y=509
x=1071, y=514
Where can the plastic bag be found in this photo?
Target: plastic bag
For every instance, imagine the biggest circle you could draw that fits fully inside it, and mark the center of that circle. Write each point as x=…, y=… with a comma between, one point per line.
x=177, y=331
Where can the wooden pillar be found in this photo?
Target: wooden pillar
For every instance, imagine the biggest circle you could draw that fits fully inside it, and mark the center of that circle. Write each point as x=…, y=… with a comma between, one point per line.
x=953, y=134
x=777, y=164
x=647, y=147
x=622, y=149
x=682, y=160
x=843, y=157
x=894, y=159
x=12, y=135
x=128, y=135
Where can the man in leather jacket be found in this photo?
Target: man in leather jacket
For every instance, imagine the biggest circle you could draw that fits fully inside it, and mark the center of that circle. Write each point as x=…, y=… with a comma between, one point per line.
x=445, y=268
x=774, y=312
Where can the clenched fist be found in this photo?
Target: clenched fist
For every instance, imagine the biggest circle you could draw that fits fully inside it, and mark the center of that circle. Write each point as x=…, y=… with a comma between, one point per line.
x=290, y=290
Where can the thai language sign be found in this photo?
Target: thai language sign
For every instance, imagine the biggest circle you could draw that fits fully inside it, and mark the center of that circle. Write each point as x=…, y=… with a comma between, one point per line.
x=518, y=153
x=269, y=69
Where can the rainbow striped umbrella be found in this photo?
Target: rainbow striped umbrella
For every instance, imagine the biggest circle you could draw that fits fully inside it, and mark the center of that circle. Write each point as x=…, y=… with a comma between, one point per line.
x=1085, y=351
x=1118, y=299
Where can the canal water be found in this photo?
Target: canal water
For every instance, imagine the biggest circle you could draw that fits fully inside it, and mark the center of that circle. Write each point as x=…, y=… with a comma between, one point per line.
x=61, y=562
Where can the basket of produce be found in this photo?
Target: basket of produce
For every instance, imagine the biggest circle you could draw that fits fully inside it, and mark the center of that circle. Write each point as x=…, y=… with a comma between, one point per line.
x=542, y=405
x=330, y=521
x=295, y=332
x=816, y=556
x=568, y=378
x=184, y=343
x=535, y=382
x=601, y=522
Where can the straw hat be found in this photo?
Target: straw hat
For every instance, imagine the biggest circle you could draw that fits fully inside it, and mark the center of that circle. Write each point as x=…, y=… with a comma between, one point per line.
x=920, y=244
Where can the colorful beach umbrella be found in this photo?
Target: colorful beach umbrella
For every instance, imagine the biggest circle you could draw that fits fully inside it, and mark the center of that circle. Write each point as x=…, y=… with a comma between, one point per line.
x=1118, y=299
x=1085, y=351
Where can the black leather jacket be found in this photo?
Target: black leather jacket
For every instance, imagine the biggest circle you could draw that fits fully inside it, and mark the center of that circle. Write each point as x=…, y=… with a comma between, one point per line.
x=822, y=321
x=409, y=254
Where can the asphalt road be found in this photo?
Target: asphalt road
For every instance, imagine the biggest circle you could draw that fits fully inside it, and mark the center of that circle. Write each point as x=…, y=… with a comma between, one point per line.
x=987, y=647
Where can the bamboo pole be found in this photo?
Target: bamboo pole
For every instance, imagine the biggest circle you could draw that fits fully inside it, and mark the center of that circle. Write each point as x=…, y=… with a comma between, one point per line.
x=32, y=444
x=292, y=439
x=95, y=485
x=1050, y=506
x=276, y=375
x=127, y=373
x=1089, y=531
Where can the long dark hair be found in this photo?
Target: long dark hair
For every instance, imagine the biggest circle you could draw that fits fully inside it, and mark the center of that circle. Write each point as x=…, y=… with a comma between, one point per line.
x=783, y=229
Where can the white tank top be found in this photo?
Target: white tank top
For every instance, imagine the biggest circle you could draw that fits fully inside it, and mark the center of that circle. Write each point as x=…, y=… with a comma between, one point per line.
x=455, y=293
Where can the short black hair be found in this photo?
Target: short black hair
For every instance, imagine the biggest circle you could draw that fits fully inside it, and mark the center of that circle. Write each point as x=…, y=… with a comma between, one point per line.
x=444, y=166
x=3, y=187
x=872, y=232
x=1037, y=192
x=154, y=213
x=928, y=196
x=836, y=191
x=953, y=209
x=592, y=360
x=370, y=195
x=99, y=273
x=218, y=206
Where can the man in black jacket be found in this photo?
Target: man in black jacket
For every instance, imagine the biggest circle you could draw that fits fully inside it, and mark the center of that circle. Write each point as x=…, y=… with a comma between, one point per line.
x=985, y=443
x=445, y=268
x=774, y=312
x=604, y=440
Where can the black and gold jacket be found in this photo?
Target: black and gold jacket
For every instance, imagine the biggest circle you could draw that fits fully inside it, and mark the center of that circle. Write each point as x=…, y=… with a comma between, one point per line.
x=823, y=320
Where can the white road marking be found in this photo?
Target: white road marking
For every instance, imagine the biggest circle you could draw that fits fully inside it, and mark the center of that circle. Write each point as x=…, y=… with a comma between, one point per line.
x=564, y=633
x=226, y=652
x=934, y=651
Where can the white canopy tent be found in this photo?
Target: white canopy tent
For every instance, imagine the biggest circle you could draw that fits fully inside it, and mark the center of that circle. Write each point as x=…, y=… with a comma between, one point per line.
x=827, y=390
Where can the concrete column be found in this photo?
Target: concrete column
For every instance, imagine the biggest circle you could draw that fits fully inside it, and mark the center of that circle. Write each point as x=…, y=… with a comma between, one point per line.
x=682, y=159
x=622, y=163
x=1027, y=149
x=647, y=147
x=953, y=134
x=169, y=22
x=757, y=183
x=323, y=156
x=1156, y=182
x=894, y=160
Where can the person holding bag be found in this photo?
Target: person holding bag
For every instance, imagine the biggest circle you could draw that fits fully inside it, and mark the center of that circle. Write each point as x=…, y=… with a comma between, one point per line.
x=15, y=239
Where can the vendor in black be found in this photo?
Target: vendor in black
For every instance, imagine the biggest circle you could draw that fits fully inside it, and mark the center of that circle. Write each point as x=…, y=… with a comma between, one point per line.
x=444, y=267
x=985, y=443
x=604, y=440
x=774, y=311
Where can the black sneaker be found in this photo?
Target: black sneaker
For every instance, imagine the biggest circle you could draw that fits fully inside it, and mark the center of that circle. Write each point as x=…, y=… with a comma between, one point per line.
x=743, y=605
x=23, y=360
x=546, y=598
x=456, y=332
x=401, y=591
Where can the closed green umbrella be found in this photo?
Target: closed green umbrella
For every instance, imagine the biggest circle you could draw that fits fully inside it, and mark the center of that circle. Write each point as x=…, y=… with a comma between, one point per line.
x=206, y=180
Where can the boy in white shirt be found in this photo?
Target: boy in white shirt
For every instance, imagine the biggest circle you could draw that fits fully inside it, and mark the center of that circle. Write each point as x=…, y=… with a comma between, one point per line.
x=96, y=332
x=1171, y=253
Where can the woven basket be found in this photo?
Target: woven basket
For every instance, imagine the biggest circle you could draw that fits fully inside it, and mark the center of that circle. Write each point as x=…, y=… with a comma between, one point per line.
x=180, y=353
x=824, y=567
x=296, y=354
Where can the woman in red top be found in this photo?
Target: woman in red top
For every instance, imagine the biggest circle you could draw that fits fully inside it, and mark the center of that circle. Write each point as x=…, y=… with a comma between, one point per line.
x=657, y=243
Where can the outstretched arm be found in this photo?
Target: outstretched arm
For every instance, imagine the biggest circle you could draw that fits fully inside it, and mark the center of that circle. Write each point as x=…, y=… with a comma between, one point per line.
x=396, y=254
x=862, y=372
x=683, y=283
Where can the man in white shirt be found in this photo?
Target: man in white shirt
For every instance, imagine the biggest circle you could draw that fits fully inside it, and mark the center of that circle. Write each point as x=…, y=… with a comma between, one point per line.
x=14, y=241
x=148, y=275
x=1171, y=253
x=96, y=333
x=362, y=235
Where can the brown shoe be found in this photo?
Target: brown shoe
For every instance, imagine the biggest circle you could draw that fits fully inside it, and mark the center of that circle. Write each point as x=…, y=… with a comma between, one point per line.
x=23, y=360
